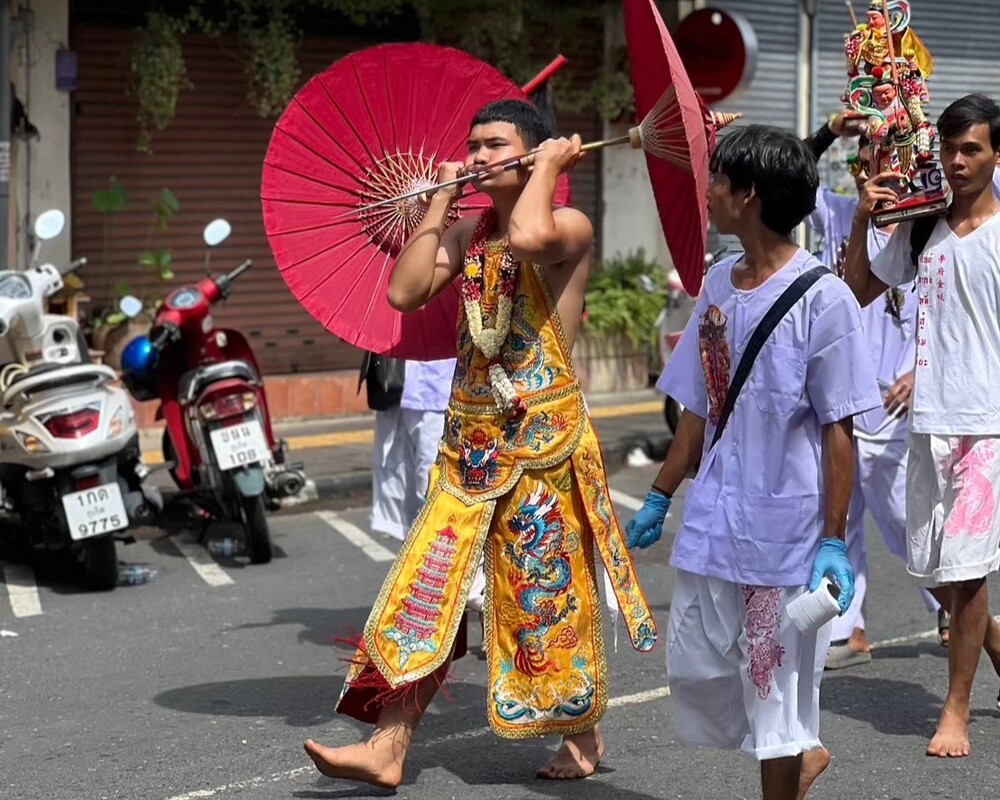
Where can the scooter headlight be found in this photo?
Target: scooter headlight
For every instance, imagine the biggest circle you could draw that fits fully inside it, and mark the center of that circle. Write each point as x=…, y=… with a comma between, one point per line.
x=32, y=444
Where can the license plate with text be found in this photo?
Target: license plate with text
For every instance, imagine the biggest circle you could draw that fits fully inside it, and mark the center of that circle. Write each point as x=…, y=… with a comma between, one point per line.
x=239, y=445
x=96, y=511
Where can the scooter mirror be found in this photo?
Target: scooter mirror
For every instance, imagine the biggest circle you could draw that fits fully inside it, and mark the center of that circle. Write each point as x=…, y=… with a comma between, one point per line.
x=49, y=224
x=216, y=232
x=130, y=306
x=648, y=285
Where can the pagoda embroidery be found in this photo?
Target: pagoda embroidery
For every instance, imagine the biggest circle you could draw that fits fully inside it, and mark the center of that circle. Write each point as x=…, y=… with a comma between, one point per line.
x=416, y=623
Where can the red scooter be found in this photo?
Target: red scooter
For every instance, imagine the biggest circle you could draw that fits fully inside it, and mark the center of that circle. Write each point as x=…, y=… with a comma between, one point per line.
x=218, y=435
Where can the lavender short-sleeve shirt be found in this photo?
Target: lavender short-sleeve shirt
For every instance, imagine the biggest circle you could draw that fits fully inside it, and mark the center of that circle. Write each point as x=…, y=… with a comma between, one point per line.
x=754, y=512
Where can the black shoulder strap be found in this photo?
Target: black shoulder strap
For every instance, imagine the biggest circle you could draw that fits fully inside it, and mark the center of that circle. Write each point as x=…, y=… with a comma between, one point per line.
x=774, y=315
x=920, y=235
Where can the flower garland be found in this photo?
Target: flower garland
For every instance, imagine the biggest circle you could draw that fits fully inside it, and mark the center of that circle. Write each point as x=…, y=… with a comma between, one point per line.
x=489, y=341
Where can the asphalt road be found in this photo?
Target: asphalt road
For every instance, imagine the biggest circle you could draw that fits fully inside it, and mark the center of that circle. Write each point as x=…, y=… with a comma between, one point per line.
x=204, y=682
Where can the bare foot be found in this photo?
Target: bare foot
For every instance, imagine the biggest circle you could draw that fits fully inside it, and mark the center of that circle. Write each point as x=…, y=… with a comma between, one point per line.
x=357, y=762
x=578, y=757
x=859, y=641
x=813, y=764
x=951, y=740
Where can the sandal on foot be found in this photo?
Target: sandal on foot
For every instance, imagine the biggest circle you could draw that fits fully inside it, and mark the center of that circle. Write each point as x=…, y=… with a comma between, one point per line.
x=840, y=655
x=944, y=622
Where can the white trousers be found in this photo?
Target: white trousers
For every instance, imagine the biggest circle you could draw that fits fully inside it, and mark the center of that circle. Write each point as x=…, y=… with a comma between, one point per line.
x=953, y=513
x=879, y=488
x=406, y=446
x=741, y=675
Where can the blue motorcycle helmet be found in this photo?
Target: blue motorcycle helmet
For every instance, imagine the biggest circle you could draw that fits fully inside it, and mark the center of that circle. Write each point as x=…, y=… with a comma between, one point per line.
x=139, y=362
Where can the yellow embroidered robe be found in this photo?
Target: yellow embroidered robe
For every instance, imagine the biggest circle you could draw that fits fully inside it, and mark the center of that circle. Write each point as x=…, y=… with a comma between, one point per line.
x=530, y=494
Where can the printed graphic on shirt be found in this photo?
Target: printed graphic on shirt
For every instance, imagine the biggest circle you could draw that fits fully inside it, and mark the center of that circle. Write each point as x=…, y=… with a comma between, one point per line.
x=714, y=351
x=932, y=286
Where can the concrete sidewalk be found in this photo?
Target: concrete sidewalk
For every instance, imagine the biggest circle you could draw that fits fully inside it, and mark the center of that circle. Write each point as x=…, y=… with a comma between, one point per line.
x=337, y=452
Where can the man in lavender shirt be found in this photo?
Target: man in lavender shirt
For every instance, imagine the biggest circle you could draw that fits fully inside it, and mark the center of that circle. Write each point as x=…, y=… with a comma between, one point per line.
x=765, y=516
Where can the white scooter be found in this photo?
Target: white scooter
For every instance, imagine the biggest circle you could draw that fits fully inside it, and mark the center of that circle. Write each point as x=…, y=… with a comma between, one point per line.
x=71, y=476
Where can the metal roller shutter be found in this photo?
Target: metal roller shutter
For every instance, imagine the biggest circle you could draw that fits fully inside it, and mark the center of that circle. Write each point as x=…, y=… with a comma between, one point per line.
x=771, y=99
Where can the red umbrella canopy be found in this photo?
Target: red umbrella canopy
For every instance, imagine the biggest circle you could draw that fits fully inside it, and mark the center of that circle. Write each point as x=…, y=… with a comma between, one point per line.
x=680, y=183
x=373, y=125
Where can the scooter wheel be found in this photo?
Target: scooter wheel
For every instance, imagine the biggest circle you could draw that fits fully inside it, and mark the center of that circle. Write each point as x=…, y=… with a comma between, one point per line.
x=100, y=563
x=255, y=522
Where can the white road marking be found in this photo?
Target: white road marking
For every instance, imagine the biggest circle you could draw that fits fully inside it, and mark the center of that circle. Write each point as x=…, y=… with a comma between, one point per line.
x=198, y=557
x=22, y=591
x=625, y=500
x=913, y=637
x=277, y=777
x=356, y=536
x=239, y=786
x=639, y=697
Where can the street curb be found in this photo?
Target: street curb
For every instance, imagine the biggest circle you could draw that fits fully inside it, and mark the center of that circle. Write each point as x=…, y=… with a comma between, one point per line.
x=359, y=482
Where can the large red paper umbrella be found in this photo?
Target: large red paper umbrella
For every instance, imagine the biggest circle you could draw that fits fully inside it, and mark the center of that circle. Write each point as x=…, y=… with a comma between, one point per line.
x=374, y=125
x=679, y=174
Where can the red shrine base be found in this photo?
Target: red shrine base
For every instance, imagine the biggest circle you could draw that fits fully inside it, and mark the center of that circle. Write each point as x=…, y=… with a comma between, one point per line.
x=912, y=206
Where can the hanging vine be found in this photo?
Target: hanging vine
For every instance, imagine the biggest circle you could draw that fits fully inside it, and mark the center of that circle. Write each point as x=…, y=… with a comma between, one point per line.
x=160, y=74
x=518, y=38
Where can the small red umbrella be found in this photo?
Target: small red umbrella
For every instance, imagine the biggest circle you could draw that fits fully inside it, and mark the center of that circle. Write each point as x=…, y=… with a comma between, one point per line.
x=374, y=125
x=679, y=172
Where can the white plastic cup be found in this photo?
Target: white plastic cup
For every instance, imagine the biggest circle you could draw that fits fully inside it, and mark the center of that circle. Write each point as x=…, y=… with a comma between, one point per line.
x=810, y=611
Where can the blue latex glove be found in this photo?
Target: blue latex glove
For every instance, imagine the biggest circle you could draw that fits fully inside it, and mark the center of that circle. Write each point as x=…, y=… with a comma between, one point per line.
x=646, y=527
x=831, y=561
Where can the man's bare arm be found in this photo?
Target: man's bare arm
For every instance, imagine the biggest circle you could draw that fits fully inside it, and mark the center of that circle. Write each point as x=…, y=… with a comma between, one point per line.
x=838, y=475
x=538, y=234
x=433, y=255
x=684, y=453
x=857, y=265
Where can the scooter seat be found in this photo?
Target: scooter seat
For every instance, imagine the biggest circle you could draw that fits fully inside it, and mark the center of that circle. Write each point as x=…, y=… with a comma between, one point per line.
x=52, y=376
x=40, y=369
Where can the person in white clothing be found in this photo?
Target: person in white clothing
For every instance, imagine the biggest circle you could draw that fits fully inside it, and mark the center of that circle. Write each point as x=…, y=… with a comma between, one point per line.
x=764, y=517
x=406, y=445
x=879, y=435
x=953, y=477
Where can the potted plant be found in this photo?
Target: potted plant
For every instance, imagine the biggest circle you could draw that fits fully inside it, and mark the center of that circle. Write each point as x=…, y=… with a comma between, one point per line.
x=110, y=329
x=625, y=297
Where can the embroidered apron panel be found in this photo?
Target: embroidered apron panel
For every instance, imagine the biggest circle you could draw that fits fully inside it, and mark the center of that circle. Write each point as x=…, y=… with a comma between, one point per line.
x=547, y=670
x=412, y=626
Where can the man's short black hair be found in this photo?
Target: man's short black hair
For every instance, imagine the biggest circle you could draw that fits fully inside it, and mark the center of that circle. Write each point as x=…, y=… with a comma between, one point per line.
x=973, y=109
x=525, y=118
x=775, y=163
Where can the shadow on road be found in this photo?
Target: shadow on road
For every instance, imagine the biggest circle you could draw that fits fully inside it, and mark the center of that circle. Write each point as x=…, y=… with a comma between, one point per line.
x=892, y=707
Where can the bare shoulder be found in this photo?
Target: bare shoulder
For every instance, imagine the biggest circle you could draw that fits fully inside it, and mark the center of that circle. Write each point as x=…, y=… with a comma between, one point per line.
x=575, y=226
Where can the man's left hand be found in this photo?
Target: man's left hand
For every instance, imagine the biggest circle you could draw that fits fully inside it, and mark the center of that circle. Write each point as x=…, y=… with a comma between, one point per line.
x=559, y=154
x=847, y=123
x=899, y=395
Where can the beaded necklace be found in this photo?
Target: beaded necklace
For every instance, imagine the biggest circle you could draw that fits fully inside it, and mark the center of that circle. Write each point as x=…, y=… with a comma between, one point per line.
x=489, y=341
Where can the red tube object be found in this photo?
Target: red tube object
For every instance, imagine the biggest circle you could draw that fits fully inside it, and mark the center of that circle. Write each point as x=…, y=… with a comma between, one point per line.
x=554, y=66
